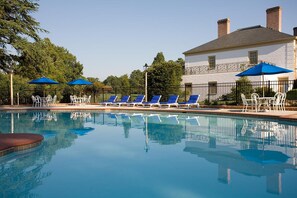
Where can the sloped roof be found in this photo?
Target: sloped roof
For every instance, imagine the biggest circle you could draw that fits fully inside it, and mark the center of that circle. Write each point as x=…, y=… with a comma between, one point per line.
x=243, y=37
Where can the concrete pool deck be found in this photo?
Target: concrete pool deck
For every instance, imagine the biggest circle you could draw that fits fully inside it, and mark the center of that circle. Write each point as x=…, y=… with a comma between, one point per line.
x=283, y=115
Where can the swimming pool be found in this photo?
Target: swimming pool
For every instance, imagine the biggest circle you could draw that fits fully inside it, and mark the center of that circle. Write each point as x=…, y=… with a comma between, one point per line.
x=136, y=154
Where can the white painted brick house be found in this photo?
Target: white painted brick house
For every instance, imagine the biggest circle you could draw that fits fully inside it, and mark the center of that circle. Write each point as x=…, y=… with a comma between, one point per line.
x=219, y=60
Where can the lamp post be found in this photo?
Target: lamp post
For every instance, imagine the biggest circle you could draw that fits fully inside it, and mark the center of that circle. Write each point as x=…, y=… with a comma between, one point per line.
x=145, y=81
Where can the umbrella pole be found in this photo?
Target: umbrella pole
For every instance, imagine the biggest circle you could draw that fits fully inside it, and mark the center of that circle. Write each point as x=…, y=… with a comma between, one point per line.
x=262, y=79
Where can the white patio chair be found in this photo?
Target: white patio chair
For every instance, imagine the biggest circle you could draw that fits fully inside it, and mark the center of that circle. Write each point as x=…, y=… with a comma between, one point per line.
x=47, y=101
x=255, y=102
x=283, y=102
x=276, y=103
x=54, y=101
x=246, y=102
x=33, y=101
x=73, y=99
x=88, y=100
x=38, y=101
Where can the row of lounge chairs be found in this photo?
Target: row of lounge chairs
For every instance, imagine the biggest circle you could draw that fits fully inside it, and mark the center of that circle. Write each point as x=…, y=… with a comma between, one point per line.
x=154, y=102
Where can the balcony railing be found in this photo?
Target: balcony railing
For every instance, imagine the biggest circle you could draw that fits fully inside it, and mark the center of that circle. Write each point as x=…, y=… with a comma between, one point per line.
x=219, y=68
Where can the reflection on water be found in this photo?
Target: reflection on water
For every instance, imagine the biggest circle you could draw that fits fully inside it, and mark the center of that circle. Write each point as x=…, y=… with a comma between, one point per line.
x=259, y=148
x=44, y=116
x=80, y=114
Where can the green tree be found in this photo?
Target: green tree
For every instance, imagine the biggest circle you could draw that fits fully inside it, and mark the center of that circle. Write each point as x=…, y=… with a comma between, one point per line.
x=124, y=85
x=164, y=77
x=43, y=58
x=17, y=27
x=112, y=81
x=136, y=81
x=244, y=86
x=4, y=88
x=120, y=84
x=159, y=59
x=181, y=62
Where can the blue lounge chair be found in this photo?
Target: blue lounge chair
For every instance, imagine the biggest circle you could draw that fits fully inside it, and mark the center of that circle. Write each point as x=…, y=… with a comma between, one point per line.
x=138, y=100
x=123, y=100
x=193, y=101
x=172, y=101
x=155, y=101
x=111, y=100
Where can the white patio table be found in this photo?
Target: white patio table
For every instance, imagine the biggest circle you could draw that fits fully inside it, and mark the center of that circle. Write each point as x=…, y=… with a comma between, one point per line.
x=266, y=102
x=80, y=100
x=45, y=101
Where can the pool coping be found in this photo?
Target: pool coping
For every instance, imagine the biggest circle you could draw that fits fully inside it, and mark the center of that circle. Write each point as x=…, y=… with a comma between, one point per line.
x=282, y=115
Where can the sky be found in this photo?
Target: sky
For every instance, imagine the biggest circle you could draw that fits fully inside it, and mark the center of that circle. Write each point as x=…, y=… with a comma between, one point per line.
x=115, y=37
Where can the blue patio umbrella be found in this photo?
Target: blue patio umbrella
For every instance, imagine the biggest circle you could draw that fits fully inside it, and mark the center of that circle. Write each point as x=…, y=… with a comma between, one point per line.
x=79, y=82
x=262, y=69
x=43, y=81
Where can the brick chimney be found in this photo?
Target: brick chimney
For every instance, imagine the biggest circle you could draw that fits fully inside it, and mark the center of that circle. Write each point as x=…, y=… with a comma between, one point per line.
x=295, y=31
x=274, y=18
x=223, y=27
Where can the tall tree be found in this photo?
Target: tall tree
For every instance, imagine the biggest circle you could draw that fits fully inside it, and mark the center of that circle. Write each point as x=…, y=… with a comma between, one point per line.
x=43, y=58
x=164, y=79
x=159, y=59
x=17, y=27
x=112, y=81
x=136, y=81
x=181, y=62
x=124, y=85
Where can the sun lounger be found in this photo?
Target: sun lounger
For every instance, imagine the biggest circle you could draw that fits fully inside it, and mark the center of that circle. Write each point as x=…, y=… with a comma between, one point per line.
x=111, y=100
x=138, y=100
x=172, y=101
x=123, y=100
x=193, y=101
x=155, y=101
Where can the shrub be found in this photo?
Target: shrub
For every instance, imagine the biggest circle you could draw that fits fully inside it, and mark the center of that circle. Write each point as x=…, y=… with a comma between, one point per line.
x=268, y=92
x=295, y=84
x=292, y=94
x=215, y=102
x=206, y=102
x=244, y=86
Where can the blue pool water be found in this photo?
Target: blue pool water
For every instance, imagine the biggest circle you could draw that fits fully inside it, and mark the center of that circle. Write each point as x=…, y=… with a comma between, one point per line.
x=96, y=154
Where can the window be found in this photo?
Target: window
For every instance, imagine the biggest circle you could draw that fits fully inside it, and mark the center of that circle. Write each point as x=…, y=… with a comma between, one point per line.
x=212, y=88
x=188, y=87
x=212, y=62
x=283, y=84
x=253, y=57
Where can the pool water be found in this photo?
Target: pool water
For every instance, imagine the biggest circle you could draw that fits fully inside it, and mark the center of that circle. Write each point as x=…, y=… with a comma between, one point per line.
x=136, y=154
